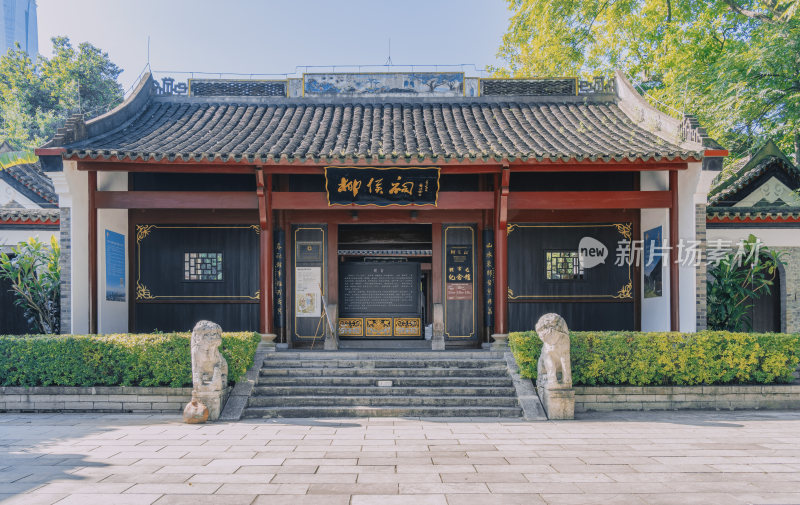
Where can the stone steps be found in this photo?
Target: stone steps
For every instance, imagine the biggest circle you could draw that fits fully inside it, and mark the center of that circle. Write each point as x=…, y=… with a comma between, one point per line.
x=325, y=412
x=397, y=382
x=373, y=390
x=345, y=384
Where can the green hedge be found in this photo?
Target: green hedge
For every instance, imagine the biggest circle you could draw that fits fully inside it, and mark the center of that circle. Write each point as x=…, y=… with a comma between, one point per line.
x=655, y=359
x=113, y=360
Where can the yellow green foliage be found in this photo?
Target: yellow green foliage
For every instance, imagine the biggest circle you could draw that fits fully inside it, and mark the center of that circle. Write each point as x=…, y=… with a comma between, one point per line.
x=669, y=358
x=113, y=360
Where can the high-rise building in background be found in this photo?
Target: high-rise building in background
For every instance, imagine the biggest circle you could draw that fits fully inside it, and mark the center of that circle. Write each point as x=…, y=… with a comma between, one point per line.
x=19, y=25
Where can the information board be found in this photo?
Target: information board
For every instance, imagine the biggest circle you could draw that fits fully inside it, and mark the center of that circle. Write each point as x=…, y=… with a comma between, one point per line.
x=378, y=289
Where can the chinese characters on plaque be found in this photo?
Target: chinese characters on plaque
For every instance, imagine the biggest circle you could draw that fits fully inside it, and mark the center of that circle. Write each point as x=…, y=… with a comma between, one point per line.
x=459, y=273
x=382, y=186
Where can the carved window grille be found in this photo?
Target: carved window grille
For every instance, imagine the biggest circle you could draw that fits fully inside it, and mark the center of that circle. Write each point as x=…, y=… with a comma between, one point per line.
x=202, y=266
x=563, y=266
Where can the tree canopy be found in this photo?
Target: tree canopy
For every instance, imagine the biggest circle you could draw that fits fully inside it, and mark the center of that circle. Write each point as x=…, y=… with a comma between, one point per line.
x=733, y=63
x=37, y=96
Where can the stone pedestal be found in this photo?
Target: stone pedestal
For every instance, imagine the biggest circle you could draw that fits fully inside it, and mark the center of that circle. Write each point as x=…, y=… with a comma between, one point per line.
x=558, y=403
x=213, y=401
x=499, y=341
x=437, y=340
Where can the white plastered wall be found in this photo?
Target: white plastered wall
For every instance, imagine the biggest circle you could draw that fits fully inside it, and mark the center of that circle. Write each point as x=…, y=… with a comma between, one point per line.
x=10, y=238
x=112, y=316
x=9, y=194
x=72, y=189
x=656, y=311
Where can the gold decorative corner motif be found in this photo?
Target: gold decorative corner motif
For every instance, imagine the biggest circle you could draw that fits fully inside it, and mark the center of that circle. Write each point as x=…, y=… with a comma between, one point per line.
x=625, y=291
x=142, y=231
x=142, y=292
x=510, y=228
x=257, y=295
x=624, y=229
x=256, y=228
x=511, y=294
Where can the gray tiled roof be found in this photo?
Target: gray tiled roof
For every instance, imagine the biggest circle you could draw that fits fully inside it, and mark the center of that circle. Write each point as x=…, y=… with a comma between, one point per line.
x=339, y=129
x=29, y=180
x=37, y=216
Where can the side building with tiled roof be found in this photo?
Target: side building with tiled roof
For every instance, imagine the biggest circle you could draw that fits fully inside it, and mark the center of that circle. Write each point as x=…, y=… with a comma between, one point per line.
x=28, y=209
x=412, y=203
x=759, y=196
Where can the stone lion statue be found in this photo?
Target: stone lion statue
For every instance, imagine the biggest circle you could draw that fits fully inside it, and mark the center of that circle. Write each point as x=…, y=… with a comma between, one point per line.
x=554, y=360
x=209, y=368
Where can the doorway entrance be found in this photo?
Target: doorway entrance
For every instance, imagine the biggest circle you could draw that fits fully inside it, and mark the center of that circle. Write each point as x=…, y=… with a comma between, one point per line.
x=384, y=281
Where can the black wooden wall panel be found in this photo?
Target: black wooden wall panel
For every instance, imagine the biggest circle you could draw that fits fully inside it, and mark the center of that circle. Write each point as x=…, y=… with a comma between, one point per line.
x=183, y=316
x=159, y=284
x=580, y=316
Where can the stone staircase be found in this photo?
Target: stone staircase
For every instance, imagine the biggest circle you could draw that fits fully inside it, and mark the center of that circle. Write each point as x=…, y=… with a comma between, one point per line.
x=371, y=384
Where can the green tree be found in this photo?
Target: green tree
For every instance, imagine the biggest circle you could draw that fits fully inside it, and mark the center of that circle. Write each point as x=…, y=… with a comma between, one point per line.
x=35, y=275
x=737, y=280
x=733, y=63
x=36, y=97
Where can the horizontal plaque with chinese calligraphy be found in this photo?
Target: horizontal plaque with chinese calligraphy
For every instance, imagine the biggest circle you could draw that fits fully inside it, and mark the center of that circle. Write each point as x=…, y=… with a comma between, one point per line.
x=382, y=186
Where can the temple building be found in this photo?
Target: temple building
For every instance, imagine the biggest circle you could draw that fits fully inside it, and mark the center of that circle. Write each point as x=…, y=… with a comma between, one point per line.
x=404, y=200
x=758, y=195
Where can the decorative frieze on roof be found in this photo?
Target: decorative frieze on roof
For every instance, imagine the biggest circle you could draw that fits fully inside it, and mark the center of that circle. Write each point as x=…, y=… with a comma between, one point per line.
x=29, y=216
x=438, y=84
x=224, y=87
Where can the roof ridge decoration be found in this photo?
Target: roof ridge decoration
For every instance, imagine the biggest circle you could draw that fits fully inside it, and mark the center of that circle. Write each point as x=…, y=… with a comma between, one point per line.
x=764, y=159
x=32, y=216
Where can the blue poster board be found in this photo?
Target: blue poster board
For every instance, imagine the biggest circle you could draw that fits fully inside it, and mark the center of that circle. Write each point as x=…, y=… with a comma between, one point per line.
x=115, y=266
x=653, y=262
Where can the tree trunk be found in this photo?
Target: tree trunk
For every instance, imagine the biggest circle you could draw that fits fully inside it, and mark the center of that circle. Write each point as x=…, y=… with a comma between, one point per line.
x=797, y=149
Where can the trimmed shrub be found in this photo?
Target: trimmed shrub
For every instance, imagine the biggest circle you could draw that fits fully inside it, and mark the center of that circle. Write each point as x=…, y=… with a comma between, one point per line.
x=671, y=358
x=113, y=360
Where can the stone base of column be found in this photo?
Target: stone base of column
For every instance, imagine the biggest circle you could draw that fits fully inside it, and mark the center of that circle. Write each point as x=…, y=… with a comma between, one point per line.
x=500, y=341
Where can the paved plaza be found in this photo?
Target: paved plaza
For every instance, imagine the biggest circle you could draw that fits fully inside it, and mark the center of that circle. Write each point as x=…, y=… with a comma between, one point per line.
x=656, y=457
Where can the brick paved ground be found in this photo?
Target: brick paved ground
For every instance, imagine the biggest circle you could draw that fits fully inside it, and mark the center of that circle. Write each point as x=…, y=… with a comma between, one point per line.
x=674, y=457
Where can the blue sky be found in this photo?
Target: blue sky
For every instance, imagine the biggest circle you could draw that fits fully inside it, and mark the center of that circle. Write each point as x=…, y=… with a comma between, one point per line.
x=270, y=36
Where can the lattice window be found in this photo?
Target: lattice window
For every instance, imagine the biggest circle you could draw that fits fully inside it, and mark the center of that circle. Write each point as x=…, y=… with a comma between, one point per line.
x=202, y=266
x=563, y=266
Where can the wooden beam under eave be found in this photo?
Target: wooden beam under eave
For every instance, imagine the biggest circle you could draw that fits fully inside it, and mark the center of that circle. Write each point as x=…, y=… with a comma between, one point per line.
x=589, y=200
x=236, y=200
x=448, y=200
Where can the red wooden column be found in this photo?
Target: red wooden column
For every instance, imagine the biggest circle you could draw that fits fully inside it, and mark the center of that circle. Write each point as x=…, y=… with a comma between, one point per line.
x=264, y=191
x=501, y=254
x=674, y=277
x=92, y=178
x=436, y=261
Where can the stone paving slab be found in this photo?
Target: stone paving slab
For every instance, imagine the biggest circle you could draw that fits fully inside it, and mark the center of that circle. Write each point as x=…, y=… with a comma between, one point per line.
x=642, y=458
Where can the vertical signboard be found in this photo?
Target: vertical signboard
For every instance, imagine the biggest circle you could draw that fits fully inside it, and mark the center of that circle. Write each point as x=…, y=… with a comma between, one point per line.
x=459, y=281
x=115, y=266
x=309, y=271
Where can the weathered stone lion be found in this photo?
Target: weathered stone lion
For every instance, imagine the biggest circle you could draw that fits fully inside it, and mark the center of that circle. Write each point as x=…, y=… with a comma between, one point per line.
x=554, y=360
x=209, y=368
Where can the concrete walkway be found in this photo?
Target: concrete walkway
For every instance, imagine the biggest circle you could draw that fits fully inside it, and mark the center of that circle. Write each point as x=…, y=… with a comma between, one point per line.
x=619, y=458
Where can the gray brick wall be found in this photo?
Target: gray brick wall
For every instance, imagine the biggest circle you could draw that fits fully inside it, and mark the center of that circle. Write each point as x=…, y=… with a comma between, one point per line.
x=790, y=288
x=94, y=399
x=701, y=270
x=598, y=399
x=66, y=271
